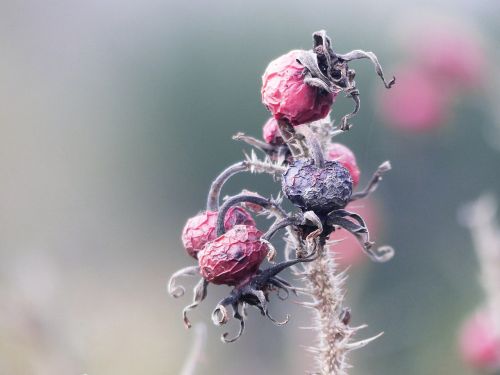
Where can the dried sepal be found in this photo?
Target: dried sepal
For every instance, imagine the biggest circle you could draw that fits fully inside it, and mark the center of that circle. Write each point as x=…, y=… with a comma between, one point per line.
x=177, y=291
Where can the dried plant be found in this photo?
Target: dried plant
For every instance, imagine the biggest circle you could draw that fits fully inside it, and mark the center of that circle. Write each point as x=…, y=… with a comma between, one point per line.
x=299, y=89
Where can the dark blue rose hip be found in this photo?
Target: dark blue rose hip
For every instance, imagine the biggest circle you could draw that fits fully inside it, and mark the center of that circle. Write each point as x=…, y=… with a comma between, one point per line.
x=318, y=189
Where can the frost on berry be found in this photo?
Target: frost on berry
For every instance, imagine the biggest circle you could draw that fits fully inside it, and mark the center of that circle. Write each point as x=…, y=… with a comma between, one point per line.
x=320, y=189
x=233, y=257
x=344, y=155
x=480, y=342
x=200, y=229
x=288, y=97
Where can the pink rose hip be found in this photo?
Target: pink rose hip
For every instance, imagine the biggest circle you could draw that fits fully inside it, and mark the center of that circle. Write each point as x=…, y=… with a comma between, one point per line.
x=200, y=229
x=288, y=97
x=233, y=257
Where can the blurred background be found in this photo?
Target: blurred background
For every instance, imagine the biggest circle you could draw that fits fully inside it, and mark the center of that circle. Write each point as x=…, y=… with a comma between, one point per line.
x=116, y=115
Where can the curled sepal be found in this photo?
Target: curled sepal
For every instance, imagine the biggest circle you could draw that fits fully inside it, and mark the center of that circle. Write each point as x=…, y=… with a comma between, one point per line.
x=361, y=233
x=360, y=54
x=220, y=315
x=199, y=294
x=374, y=181
x=344, y=122
x=383, y=253
x=236, y=315
x=277, y=322
x=282, y=286
x=177, y=291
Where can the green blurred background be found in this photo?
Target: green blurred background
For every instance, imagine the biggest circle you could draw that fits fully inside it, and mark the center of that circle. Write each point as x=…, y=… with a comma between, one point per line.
x=116, y=115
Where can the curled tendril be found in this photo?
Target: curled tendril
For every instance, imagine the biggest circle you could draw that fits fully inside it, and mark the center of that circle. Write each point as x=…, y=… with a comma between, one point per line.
x=240, y=332
x=360, y=54
x=361, y=233
x=199, y=294
x=178, y=291
x=220, y=315
x=382, y=254
x=277, y=322
x=374, y=181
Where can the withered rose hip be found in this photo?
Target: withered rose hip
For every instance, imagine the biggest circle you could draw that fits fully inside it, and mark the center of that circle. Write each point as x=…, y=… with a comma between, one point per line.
x=201, y=228
x=320, y=189
x=288, y=97
x=344, y=155
x=233, y=257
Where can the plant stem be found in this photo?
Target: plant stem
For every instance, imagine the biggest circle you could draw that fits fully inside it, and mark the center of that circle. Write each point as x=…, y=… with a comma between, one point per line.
x=330, y=318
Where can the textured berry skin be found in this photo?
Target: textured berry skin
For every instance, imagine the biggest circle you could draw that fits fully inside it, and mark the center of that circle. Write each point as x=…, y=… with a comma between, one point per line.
x=233, y=257
x=271, y=133
x=201, y=228
x=479, y=345
x=286, y=95
x=318, y=189
x=344, y=155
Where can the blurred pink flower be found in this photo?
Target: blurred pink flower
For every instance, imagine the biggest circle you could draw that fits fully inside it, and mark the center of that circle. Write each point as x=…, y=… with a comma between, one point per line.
x=479, y=344
x=453, y=56
x=348, y=252
x=416, y=103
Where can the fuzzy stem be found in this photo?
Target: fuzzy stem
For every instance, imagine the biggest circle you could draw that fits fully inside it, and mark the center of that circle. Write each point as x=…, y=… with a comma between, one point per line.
x=220, y=180
x=240, y=198
x=295, y=141
x=330, y=319
x=314, y=146
x=326, y=290
x=252, y=164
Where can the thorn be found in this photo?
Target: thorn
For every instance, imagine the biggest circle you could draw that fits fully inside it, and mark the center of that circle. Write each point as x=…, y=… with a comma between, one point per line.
x=309, y=328
x=309, y=305
x=311, y=349
x=362, y=343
